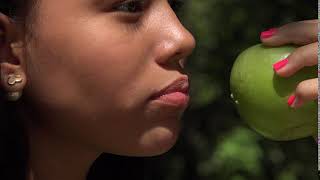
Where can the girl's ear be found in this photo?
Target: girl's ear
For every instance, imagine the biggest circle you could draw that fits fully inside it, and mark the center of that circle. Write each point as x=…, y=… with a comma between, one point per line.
x=12, y=59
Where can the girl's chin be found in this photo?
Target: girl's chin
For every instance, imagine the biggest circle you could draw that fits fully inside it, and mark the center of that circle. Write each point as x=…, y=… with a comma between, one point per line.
x=153, y=143
x=158, y=141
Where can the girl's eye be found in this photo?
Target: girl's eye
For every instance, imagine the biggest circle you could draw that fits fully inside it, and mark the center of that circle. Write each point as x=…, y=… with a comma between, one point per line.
x=131, y=6
x=136, y=6
x=176, y=5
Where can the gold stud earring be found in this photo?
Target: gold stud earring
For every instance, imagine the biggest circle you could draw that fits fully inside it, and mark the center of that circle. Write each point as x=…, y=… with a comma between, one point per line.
x=12, y=80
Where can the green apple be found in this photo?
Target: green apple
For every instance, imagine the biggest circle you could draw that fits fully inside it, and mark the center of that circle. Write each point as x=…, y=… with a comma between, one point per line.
x=260, y=95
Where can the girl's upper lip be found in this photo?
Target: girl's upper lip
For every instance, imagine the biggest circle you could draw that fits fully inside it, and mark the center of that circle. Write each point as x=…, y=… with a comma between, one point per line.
x=181, y=84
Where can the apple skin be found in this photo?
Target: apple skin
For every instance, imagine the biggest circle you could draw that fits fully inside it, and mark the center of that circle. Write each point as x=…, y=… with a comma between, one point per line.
x=260, y=95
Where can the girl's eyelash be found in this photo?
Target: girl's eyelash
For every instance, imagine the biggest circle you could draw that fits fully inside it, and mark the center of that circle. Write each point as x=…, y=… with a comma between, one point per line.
x=131, y=6
x=136, y=6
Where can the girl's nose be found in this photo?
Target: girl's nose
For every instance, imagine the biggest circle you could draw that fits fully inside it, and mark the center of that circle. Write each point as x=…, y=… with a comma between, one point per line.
x=175, y=42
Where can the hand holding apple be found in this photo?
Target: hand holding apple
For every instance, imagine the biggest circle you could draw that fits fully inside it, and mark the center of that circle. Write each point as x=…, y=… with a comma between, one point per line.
x=305, y=35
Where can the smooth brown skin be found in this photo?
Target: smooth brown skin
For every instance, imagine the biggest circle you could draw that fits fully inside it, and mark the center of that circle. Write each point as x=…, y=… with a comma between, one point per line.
x=88, y=73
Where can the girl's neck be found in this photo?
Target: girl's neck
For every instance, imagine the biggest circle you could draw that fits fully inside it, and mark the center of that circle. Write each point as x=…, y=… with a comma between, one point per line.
x=52, y=158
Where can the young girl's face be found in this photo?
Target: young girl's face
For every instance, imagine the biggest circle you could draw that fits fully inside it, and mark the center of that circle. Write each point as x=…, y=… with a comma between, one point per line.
x=92, y=66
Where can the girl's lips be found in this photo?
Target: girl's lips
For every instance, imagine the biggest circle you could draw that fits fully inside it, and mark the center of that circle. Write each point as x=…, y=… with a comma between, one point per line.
x=175, y=94
x=178, y=99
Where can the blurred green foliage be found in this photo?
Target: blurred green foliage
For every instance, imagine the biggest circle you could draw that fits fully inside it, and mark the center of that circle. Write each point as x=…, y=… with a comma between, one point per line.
x=215, y=143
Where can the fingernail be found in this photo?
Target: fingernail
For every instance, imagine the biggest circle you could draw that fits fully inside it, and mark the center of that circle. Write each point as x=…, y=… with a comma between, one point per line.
x=280, y=64
x=292, y=101
x=269, y=33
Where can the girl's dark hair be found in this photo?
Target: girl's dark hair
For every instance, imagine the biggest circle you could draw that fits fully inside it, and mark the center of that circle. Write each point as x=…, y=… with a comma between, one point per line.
x=8, y=7
x=13, y=143
x=16, y=9
x=21, y=12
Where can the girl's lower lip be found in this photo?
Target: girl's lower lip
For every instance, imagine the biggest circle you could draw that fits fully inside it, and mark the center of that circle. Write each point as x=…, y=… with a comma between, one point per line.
x=177, y=99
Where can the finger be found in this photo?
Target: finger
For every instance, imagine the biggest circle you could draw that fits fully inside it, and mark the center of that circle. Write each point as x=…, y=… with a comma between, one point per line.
x=306, y=91
x=301, y=57
x=299, y=33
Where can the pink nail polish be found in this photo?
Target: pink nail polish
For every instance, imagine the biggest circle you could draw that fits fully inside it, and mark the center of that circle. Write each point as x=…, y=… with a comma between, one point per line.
x=268, y=33
x=291, y=100
x=280, y=64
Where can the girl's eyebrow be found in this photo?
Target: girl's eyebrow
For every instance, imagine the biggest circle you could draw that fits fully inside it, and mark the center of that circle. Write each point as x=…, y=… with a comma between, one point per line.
x=104, y=1
x=100, y=3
